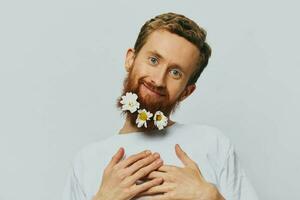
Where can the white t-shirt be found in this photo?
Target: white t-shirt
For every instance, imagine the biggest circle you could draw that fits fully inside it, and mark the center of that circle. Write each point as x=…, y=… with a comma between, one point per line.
x=205, y=145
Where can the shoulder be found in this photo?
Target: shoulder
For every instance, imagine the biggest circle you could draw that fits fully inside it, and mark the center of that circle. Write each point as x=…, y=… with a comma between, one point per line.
x=209, y=139
x=205, y=132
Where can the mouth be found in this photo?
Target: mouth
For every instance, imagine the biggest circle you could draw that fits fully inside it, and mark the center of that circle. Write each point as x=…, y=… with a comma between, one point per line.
x=149, y=90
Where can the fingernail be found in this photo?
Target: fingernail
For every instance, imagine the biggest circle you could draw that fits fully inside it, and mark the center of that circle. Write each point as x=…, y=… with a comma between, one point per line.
x=156, y=155
x=158, y=161
x=148, y=152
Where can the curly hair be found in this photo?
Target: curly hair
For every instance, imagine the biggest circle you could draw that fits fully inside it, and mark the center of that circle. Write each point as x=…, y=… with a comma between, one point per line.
x=184, y=27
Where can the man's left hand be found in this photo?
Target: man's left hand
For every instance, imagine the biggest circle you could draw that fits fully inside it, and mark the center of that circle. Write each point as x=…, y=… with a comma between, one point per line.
x=184, y=183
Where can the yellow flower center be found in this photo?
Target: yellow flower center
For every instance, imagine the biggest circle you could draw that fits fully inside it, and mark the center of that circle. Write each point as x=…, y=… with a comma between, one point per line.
x=158, y=117
x=143, y=116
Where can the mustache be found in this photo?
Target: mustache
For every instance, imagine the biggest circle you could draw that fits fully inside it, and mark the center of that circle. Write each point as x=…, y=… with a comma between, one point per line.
x=158, y=89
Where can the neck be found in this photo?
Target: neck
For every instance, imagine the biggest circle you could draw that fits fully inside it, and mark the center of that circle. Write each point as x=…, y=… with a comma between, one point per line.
x=129, y=128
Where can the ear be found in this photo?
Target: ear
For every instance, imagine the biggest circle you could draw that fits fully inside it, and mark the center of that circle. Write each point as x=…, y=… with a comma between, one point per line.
x=187, y=91
x=130, y=55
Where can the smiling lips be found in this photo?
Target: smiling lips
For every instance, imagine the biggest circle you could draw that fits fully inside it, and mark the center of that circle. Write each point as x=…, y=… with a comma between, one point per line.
x=152, y=91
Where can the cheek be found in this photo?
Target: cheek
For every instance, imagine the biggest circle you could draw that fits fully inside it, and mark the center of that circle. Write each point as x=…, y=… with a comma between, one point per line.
x=142, y=68
x=141, y=72
x=174, y=92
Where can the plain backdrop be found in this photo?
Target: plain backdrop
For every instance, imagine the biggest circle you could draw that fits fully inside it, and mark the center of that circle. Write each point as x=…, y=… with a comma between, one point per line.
x=62, y=68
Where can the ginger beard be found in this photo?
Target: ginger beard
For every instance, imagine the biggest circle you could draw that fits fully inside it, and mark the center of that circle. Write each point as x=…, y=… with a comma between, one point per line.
x=148, y=102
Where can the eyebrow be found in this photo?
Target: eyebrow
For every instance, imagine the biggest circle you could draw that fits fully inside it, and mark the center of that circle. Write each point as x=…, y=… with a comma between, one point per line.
x=161, y=57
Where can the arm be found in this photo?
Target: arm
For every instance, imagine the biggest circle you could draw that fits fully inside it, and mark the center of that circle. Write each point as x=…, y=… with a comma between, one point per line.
x=73, y=190
x=234, y=183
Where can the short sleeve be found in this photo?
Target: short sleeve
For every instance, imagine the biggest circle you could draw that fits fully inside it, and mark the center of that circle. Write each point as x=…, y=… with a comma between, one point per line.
x=234, y=185
x=73, y=190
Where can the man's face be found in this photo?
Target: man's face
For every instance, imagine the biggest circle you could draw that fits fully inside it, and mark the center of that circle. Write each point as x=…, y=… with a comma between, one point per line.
x=159, y=73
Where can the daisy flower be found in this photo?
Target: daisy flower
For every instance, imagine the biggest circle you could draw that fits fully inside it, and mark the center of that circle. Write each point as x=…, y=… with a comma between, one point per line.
x=129, y=102
x=160, y=120
x=142, y=118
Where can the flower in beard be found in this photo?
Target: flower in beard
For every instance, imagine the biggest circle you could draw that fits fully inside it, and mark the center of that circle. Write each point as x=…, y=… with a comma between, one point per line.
x=129, y=102
x=143, y=117
x=160, y=120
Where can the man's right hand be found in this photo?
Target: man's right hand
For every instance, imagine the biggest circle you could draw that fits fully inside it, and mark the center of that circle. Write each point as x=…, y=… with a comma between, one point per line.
x=120, y=176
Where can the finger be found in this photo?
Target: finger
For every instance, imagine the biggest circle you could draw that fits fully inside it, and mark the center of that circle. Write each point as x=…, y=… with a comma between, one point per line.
x=159, y=189
x=185, y=159
x=141, y=163
x=143, y=172
x=157, y=174
x=146, y=185
x=168, y=168
x=131, y=159
x=116, y=157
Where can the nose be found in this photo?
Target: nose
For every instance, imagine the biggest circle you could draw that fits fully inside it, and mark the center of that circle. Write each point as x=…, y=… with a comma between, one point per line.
x=158, y=78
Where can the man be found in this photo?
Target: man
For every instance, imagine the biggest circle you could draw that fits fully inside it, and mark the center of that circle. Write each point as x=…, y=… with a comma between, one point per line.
x=167, y=59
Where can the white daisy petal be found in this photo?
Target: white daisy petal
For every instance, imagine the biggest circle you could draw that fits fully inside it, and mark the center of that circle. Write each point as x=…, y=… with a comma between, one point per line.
x=140, y=124
x=129, y=101
x=143, y=117
x=160, y=120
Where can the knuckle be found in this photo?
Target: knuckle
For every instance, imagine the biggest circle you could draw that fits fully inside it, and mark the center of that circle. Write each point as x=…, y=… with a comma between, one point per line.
x=132, y=191
x=120, y=174
x=115, y=168
x=158, y=162
x=127, y=191
x=146, y=160
x=145, y=153
x=142, y=172
x=143, y=162
x=137, y=165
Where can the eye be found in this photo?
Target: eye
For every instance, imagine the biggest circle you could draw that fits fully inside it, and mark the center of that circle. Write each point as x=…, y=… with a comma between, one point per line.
x=176, y=73
x=153, y=60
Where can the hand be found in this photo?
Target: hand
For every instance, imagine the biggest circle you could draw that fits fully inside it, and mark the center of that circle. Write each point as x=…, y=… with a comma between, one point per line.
x=184, y=183
x=120, y=176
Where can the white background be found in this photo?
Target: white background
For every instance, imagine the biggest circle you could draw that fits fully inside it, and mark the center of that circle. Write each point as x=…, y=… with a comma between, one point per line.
x=62, y=67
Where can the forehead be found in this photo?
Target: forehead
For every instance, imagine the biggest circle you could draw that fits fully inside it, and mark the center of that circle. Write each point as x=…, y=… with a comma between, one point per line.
x=173, y=48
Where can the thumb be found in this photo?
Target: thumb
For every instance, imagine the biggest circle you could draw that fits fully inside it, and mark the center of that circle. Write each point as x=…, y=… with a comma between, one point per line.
x=183, y=156
x=117, y=157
